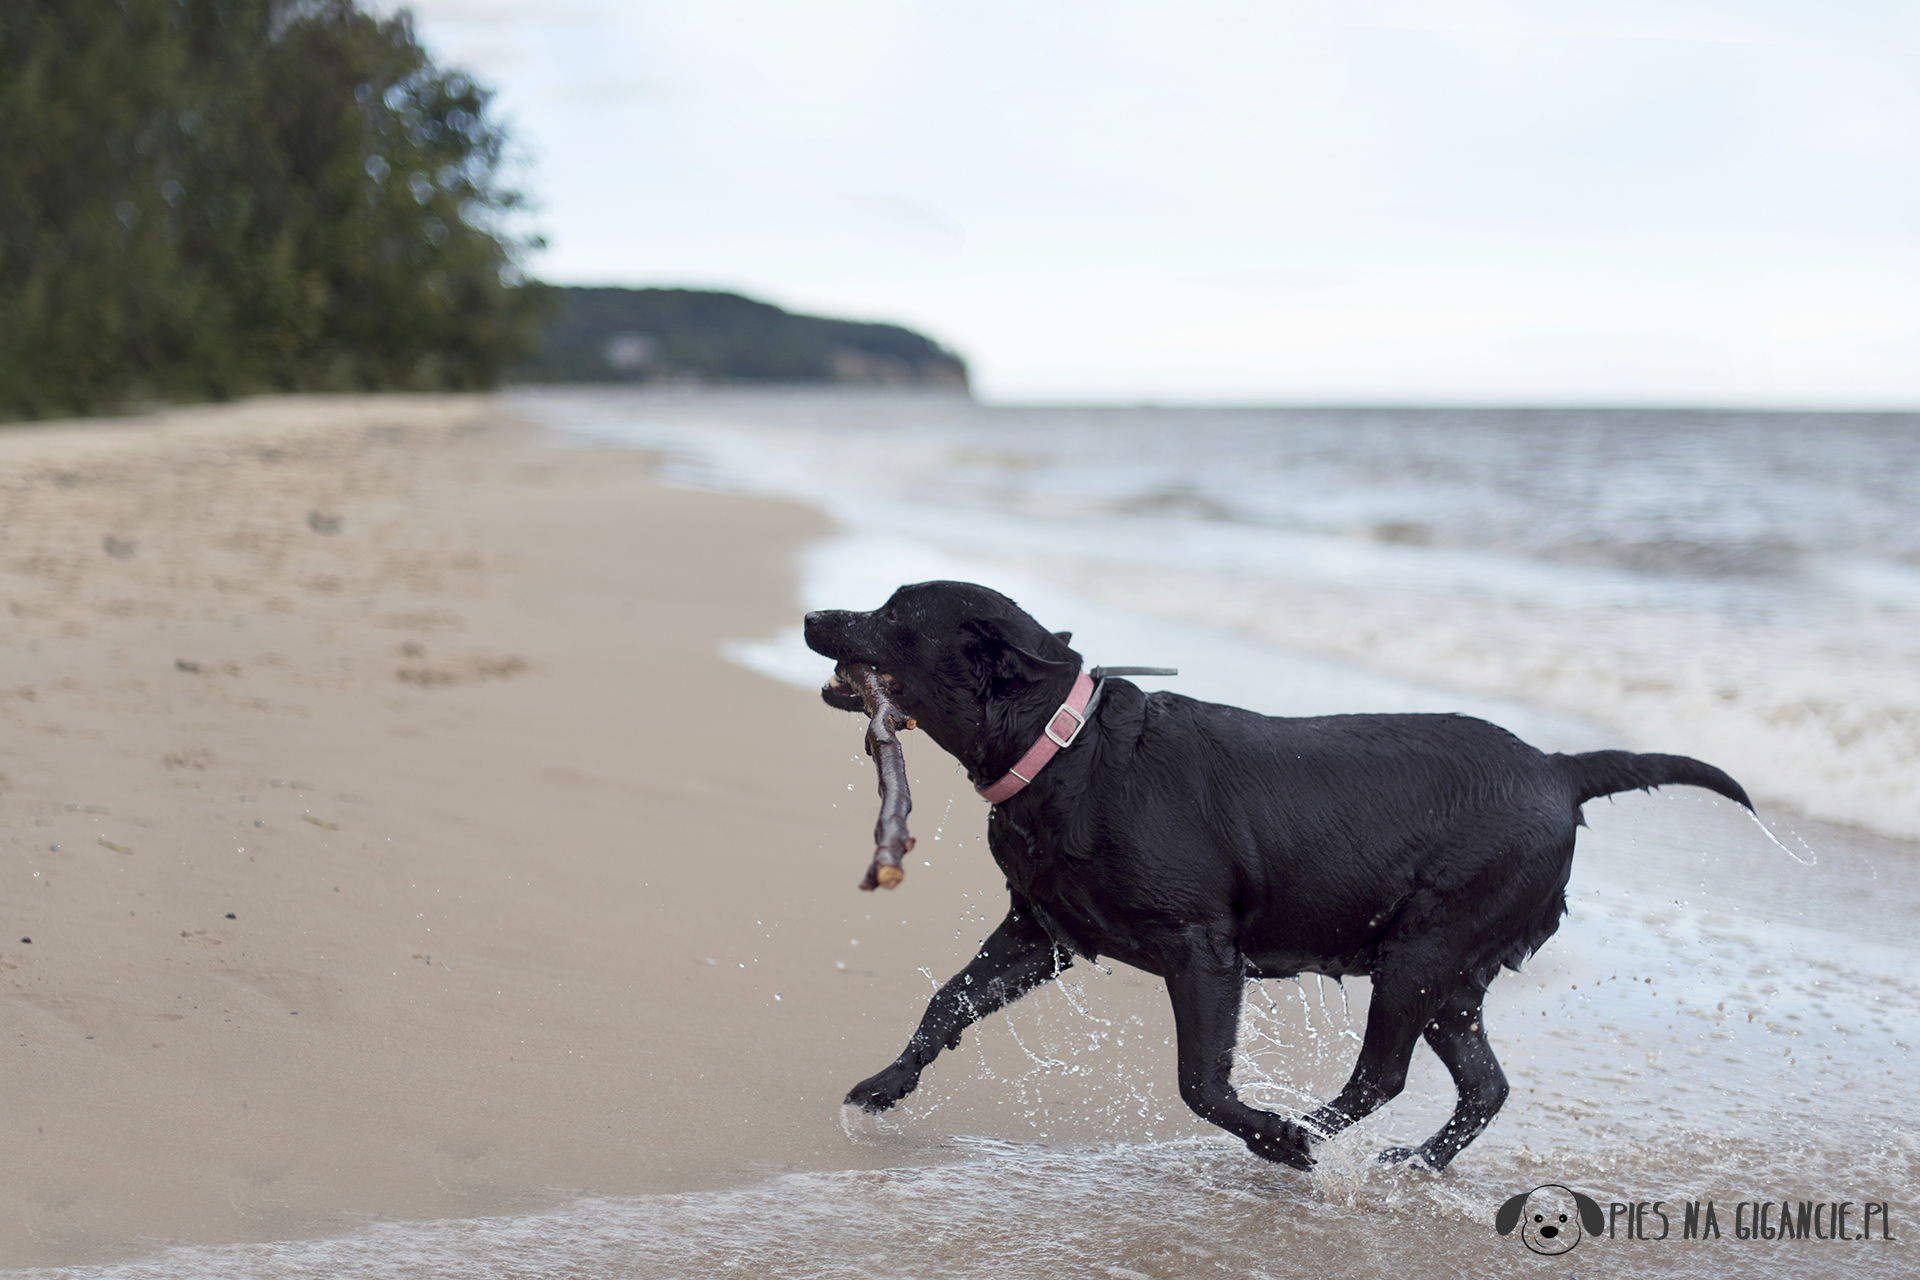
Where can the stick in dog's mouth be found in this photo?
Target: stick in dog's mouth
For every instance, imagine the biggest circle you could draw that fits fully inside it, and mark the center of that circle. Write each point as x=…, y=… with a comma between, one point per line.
x=891, y=843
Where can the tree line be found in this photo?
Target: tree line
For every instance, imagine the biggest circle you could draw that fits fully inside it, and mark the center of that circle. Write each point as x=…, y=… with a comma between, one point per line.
x=207, y=198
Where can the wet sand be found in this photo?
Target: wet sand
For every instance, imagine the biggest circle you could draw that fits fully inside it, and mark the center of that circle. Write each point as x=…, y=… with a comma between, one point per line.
x=392, y=840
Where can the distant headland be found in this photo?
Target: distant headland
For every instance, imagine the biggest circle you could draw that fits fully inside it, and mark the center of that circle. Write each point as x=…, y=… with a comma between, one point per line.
x=696, y=335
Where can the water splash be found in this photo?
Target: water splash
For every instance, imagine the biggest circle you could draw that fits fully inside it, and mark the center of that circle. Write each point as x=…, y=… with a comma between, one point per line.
x=1812, y=861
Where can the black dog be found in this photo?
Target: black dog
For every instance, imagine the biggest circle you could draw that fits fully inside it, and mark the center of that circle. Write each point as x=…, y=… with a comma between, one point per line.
x=1207, y=844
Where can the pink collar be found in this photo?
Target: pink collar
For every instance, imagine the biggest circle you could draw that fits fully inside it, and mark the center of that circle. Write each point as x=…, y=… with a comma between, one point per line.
x=1062, y=729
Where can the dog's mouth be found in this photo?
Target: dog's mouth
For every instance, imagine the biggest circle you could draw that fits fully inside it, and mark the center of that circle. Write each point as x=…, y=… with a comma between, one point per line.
x=841, y=691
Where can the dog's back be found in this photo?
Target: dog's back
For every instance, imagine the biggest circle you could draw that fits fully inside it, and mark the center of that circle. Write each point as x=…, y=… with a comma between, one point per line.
x=1329, y=829
x=1362, y=781
x=1358, y=781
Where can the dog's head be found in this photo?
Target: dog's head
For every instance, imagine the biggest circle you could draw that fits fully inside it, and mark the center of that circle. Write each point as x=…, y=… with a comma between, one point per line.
x=964, y=661
x=1550, y=1218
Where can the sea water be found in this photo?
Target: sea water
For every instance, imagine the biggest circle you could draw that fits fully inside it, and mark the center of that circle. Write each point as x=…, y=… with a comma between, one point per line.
x=1726, y=1015
x=1740, y=586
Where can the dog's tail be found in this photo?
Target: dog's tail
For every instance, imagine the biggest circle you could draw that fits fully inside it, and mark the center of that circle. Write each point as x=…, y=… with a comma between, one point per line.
x=1601, y=773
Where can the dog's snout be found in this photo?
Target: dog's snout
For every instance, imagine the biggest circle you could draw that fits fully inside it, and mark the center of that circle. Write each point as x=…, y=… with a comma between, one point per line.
x=820, y=627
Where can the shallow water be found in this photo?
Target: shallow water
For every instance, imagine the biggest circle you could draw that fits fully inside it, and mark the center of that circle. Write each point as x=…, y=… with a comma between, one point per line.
x=1720, y=1018
x=1742, y=587
x=1179, y=1209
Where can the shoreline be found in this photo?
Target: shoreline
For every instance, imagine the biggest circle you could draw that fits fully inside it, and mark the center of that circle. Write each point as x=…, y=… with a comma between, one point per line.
x=1786, y=661
x=414, y=840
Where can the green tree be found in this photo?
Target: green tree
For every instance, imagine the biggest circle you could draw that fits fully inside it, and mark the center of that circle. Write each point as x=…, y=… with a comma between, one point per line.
x=205, y=198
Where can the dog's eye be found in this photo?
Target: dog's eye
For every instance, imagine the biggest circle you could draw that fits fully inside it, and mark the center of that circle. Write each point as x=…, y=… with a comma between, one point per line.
x=1563, y=1217
x=1539, y=1217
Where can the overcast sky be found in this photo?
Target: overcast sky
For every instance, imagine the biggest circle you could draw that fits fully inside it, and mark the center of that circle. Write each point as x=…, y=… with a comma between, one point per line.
x=1229, y=201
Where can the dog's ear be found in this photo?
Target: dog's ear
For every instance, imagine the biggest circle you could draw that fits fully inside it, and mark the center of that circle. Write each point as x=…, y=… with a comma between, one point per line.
x=1509, y=1216
x=1066, y=637
x=1589, y=1215
x=1008, y=658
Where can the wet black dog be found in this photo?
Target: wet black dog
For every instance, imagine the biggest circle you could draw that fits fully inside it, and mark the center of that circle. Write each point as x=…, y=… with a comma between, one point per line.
x=1207, y=844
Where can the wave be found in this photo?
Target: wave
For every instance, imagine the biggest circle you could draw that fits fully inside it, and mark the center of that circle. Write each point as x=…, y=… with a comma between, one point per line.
x=1743, y=587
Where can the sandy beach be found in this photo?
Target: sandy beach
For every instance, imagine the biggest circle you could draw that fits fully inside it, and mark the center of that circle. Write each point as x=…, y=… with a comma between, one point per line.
x=396, y=872
x=392, y=840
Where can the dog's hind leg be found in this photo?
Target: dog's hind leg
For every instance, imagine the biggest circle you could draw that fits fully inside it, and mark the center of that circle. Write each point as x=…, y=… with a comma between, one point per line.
x=1458, y=1036
x=1400, y=1008
x=1017, y=957
x=1206, y=991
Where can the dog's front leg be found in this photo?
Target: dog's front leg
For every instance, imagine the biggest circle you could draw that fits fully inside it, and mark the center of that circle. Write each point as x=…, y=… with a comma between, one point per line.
x=1015, y=959
x=1206, y=990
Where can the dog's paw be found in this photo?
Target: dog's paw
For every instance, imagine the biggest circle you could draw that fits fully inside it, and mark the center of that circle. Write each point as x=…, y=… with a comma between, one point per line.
x=879, y=1092
x=1415, y=1156
x=1284, y=1144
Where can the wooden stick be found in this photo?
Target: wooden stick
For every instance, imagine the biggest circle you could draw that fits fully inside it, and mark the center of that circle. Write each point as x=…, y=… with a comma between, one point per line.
x=890, y=839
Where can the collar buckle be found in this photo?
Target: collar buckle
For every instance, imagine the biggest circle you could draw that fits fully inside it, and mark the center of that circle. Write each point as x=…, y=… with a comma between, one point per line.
x=1079, y=723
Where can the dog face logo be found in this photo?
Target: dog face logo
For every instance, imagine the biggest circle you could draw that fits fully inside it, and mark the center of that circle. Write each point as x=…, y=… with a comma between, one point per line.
x=1550, y=1218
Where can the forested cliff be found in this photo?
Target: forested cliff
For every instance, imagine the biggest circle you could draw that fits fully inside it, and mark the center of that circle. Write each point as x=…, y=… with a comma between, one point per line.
x=202, y=199
x=644, y=335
